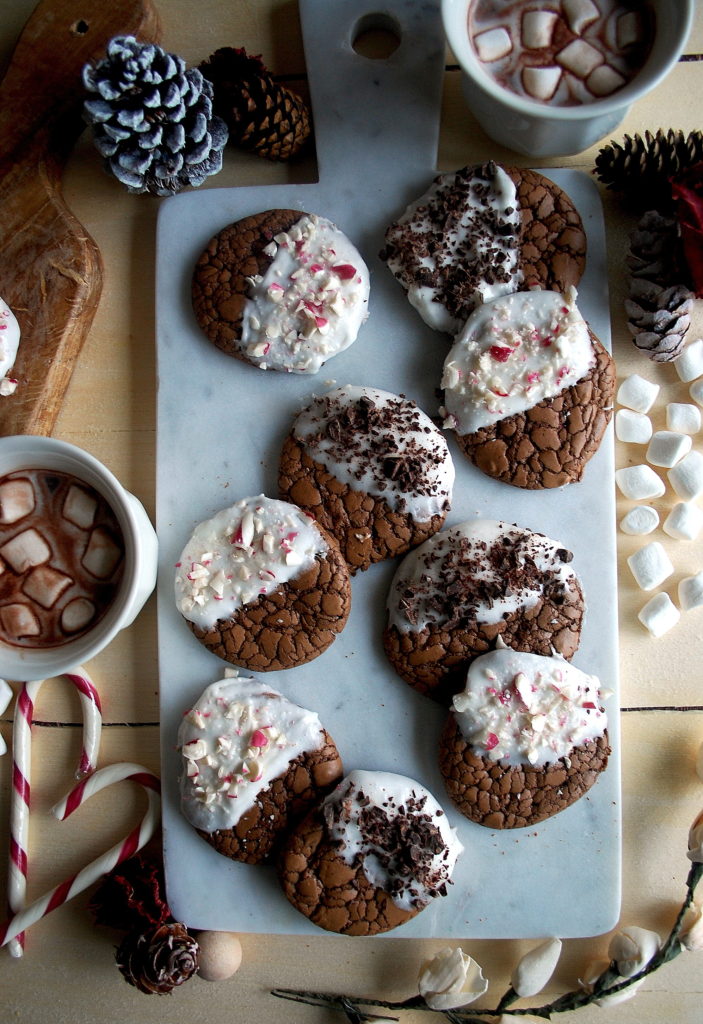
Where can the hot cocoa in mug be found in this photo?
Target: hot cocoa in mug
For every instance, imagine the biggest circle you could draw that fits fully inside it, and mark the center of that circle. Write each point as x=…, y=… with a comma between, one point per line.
x=561, y=52
x=61, y=558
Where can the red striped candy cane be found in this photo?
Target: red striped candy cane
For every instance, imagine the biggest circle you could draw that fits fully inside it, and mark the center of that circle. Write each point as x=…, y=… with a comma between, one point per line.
x=136, y=839
x=21, y=774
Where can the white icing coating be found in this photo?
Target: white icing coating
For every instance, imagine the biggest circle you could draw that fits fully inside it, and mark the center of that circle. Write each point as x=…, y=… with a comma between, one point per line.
x=395, y=795
x=310, y=303
x=412, y=434
x=241, y=553
x=237, y=738
x=460, y=555
x=472, y=234
x=522, y=708
x=512, y=354
x=9, y=343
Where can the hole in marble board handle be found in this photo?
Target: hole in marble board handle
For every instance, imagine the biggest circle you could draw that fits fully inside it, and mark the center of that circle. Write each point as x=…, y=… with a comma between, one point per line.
x=376, y=36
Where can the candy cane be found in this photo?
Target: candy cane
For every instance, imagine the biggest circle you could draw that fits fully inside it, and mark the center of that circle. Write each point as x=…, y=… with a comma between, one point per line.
x=21, y=772
x=136, y=839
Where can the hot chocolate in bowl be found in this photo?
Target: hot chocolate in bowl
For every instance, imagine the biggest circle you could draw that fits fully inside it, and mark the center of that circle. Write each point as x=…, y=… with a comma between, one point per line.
x=78, y=557
x=551, y=78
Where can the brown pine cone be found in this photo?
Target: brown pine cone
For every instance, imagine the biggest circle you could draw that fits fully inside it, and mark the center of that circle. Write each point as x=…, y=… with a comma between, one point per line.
x=641, y=167
x=159, y=960
x=261, y=115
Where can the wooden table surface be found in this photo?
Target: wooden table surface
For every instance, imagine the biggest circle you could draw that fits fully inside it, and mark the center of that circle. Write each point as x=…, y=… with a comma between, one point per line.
x=68, y=972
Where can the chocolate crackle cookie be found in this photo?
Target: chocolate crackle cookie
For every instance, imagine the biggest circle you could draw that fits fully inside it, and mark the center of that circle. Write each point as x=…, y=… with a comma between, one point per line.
x=263, y=586
x=529, y=389
x=526, y=739
x=281, y=290
x=481, y=232
x=453, y=597
x=371, y=856
x=373, y=470
x=252, y=764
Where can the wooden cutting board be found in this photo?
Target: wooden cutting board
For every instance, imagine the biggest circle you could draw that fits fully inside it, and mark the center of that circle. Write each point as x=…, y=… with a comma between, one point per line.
x=51, y=274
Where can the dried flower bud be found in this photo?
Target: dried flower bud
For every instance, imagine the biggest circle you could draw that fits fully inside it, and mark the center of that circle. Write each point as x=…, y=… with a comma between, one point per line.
x=695, y=840
x=594, y=972
x=691, y=934
x=158, y=960
x=632, y=949
x=450, y=979
x=536, y=968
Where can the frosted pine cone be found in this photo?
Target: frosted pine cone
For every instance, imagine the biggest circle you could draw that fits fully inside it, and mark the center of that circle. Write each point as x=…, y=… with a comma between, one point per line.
x=660, y=302
x=152, y=118
x=262, y=116
x=159, y=960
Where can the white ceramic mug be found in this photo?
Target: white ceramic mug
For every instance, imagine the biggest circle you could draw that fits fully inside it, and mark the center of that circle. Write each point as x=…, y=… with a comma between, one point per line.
x=538, y=129
x=27, y=452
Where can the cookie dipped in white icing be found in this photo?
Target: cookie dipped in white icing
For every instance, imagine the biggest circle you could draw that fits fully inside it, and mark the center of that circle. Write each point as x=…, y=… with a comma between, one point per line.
x=241, y=553
x=380, y=444
x=482, y=570
x=371, y=815
x=238, y=737
x=9, y=343
x=511, y=354
x=521, y=708
x=310, y=303
x=457, y=245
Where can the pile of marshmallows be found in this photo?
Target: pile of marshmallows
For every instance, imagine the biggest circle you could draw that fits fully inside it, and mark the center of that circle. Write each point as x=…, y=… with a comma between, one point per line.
x=672, y=450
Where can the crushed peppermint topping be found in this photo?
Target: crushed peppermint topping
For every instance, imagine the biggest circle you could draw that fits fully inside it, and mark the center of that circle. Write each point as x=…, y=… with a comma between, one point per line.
x=535, y=710
x=307, y=306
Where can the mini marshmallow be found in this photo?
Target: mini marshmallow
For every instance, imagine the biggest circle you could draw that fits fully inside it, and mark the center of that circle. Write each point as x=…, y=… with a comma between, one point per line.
x=580, y=14
x=689, y=364
x=684, y=522
x=604, y=80
x=696, y=391
x=629, y=29
x=633, y=427
x=667, y=448
x=659, y=614
x=686, y=477
x=541, y=83
x=639, y=482
x=580, y=58
x=650, y=565
x=691, y=592
x=683, y=417
x=493, y=44
x=637, y=393
x=537, y=28
x=640, y=521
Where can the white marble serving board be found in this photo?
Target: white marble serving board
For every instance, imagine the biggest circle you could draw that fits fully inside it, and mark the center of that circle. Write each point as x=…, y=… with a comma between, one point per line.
x=220, y=426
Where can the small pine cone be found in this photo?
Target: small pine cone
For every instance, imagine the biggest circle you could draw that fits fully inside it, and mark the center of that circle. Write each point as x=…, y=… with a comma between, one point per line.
x=262, y=116
x=640, y=168
x=159, y=960
x=660, y=302
x=152, y=118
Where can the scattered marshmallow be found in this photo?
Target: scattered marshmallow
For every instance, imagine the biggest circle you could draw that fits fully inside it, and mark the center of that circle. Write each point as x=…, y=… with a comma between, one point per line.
x=650, y=565
x=580, y=14
x=493, y=44
x=668, y=447
x=684, y=522
x=686, y=477
x=541, y=83
x=537, y=28
x=689, y=364
x=691, y=592
x=639, y=482
x=633, y=427
x=683, y=417
x=637, y=393
x=659, y=614
x=696, y=391
x=580, y=58
x=604, y=80
x=640, y=521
